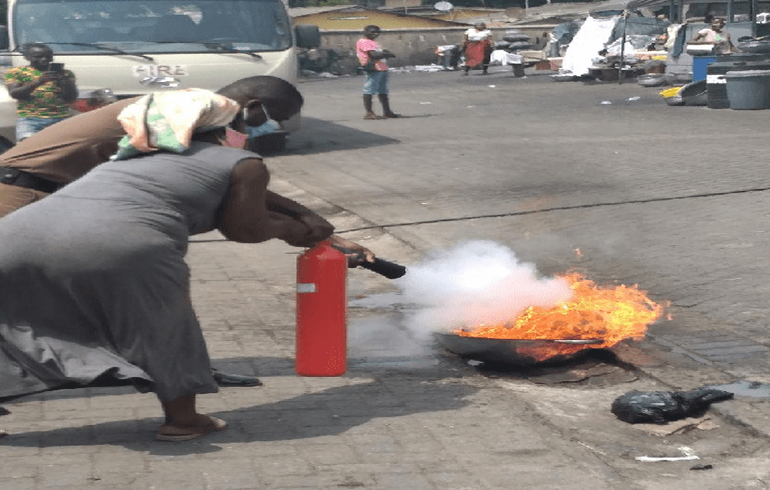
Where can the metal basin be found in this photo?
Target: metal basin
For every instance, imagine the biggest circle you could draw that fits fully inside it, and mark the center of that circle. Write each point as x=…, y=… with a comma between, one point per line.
x=655, y=79
x=519, y=352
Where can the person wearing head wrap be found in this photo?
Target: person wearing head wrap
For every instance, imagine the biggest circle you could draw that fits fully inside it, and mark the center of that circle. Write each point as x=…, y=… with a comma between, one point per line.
x=60, y=154
x=64, y=152
x=94, y=288
x=167, y=120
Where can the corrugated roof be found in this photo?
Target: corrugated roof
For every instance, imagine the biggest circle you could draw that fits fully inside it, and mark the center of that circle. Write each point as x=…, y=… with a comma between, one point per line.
x=300, y=11
x=559, y=12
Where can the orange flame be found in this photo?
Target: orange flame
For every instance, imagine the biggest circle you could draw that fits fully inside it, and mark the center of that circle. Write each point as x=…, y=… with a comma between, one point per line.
x=611, y=314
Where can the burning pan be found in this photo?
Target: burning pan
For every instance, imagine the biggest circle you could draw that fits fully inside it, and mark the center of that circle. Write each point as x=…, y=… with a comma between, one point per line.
x=520, y=352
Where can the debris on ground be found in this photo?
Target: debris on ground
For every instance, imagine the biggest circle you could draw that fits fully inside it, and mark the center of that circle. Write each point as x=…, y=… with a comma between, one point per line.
x=687, y=452
x=660, y=407
x=679, y=426
x=429, y=68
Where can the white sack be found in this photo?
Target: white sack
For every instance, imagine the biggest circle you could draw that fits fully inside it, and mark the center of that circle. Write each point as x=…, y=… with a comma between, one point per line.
x=505, y=58
x=586, y=44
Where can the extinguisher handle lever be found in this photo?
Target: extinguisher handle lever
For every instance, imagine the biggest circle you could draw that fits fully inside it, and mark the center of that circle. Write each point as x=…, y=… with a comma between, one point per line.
x=383, y=267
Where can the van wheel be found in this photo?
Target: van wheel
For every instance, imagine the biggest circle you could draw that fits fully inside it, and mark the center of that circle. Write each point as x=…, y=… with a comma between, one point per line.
x=336, y=70
x=5, y=145
x=269, y=144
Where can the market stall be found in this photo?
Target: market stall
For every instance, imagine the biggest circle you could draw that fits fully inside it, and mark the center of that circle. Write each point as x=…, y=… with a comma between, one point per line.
x=614, y=42
x=623, y=39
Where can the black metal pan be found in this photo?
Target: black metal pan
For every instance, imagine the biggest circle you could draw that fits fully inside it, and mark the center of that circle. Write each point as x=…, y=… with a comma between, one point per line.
x=520, y=352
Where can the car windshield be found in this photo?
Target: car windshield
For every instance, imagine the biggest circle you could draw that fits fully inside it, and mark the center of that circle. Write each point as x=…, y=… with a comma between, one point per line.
x=153, y=26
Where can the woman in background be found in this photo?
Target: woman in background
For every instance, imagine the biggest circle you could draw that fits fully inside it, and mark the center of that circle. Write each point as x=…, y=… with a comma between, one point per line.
x=477, y=47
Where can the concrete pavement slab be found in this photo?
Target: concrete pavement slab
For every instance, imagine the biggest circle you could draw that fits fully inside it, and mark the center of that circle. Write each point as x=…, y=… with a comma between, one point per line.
x=406, y=415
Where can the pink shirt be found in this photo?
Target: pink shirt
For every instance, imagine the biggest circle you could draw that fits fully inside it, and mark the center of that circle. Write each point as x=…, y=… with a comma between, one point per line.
x=363, y=46
x=713, y=36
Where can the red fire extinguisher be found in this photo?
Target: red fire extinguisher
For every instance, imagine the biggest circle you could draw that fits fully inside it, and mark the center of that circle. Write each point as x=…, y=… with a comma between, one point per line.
x=321, y=342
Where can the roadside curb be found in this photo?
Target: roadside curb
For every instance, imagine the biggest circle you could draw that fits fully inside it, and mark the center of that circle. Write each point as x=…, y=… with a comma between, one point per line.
x=677, y=369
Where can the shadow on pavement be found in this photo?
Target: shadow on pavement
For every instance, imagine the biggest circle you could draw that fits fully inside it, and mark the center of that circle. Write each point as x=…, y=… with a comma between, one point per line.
x=328, y=412
x=260, y=366
x=319, y=136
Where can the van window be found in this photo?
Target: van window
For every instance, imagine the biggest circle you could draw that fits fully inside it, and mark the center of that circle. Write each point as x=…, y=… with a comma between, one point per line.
x=153, y=26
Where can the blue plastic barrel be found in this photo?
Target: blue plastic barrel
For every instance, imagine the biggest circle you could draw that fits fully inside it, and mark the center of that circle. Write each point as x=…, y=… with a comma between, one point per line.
x=699, y=64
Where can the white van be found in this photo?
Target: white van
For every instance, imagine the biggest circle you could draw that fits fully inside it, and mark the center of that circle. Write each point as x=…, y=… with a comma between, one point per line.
x=132, y=47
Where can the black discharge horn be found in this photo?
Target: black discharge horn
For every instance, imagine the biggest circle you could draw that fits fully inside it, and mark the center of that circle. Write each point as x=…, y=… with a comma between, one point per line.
x=383, y=267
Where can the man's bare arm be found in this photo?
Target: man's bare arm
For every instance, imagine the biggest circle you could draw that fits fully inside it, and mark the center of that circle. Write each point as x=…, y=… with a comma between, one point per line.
x=245, y=216
x=319, y=227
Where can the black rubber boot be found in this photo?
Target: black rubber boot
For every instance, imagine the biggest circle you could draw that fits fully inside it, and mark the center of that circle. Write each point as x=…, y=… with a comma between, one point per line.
x=368, y=108
x=386, y=107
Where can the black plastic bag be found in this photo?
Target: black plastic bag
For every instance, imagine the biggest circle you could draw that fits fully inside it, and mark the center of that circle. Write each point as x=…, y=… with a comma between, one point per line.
x=659, y=407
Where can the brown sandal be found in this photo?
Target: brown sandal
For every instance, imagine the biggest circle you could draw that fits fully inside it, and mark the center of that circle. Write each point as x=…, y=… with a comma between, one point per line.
x=175, y=433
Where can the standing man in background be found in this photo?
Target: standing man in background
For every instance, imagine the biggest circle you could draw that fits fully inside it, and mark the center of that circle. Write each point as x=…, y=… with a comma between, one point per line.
x=44, y=90
x=373, y=60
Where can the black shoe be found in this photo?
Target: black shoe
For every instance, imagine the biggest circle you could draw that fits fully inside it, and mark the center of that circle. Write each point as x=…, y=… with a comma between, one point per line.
x=227, y=379
x=4, y=411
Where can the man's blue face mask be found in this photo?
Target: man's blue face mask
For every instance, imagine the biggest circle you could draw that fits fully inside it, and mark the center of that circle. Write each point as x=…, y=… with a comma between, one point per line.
x=269, y=126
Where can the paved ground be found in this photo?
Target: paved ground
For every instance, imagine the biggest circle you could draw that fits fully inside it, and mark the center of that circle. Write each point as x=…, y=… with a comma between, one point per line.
x=408, y=415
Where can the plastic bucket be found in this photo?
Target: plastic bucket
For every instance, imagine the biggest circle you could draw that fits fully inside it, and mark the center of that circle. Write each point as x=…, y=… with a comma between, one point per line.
x=748, y=89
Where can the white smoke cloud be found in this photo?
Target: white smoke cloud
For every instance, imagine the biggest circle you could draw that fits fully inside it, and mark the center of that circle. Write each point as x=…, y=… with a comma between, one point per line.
x=471, y=283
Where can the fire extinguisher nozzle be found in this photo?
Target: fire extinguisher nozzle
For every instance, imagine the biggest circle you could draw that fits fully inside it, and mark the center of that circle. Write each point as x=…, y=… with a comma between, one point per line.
x=383, y=267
